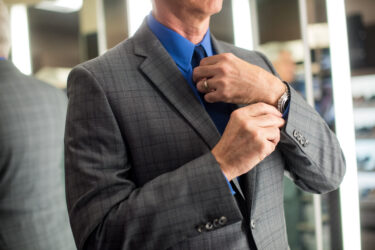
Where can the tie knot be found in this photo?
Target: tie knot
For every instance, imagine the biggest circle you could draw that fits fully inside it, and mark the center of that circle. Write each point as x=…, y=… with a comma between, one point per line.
x=198, y=55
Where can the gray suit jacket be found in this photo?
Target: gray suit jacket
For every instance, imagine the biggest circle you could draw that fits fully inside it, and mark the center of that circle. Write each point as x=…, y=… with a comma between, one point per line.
x=33, y=213
x=139, y=171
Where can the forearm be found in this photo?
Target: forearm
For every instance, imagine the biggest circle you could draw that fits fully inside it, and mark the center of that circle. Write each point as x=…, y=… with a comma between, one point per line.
x=311, y=151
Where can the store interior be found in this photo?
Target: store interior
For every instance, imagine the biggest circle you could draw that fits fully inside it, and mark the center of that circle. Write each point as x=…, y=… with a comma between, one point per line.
x=61, y=37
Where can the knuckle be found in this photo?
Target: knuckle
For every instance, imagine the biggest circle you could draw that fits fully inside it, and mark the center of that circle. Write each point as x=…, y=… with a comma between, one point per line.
x=199, y=86
x=225, y=55
x=220, y=83
x=222, y=69
x=248, y=128
x=225, y=94
x=235, y=114
x=224, y=85
x=228, y=55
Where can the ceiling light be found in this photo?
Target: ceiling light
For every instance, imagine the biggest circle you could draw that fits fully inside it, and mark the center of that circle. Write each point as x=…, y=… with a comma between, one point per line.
x=64, y=6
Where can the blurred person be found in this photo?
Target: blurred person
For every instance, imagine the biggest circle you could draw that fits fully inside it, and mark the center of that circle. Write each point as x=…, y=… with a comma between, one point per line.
x=285, y=66
x=33, y=213
x=175, y=140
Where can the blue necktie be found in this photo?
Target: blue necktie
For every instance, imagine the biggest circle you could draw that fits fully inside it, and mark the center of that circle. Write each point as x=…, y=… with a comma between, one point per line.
x=219, y=111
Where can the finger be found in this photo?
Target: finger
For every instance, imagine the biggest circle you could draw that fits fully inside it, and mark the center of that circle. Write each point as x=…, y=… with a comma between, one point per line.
x=271, y=134
x=211, y=60
x=260, y=108
x=268, y=149
x=204, y=72
x=217, y=58
x=204, y=86
x=268, y=120
x=212, y=97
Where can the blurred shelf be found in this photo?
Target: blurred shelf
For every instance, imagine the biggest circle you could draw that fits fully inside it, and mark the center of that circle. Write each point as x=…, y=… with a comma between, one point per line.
x=306, y=227
x=363, y=86
x=362, y=136
x=365, y=155
x=364, y=117
x=364, y=104
x=366, y=180
x=363, y=71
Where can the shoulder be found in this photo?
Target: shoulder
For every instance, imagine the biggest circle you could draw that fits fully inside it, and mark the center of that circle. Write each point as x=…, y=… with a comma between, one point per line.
x=19, y=88
x=240, y=52
x=30, y=103
x=119, y=58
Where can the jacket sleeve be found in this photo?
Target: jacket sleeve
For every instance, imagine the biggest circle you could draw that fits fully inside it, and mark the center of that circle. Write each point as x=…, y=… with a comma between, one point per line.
x=107, y=209
x=312, y=154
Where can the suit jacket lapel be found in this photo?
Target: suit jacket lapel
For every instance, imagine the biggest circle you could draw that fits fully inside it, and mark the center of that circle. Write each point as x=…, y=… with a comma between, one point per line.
x=247, y=182
x=160, y=68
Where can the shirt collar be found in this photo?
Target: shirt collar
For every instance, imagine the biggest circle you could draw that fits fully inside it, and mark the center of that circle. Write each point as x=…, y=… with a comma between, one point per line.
x=2, y=58
x=178, y=47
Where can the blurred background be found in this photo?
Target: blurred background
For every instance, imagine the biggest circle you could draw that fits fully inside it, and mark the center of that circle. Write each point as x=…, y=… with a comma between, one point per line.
x=324, y=48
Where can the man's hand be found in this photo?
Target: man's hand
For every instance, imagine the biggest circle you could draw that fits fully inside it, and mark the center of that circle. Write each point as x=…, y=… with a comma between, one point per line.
x=232, y=80
x=251, y=135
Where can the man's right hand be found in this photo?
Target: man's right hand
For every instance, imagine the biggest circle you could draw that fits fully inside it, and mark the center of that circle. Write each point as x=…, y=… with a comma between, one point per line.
x=251, y=135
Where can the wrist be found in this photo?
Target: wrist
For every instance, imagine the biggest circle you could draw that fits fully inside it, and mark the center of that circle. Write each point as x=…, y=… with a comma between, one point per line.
x=225, y=168
x=278, y=91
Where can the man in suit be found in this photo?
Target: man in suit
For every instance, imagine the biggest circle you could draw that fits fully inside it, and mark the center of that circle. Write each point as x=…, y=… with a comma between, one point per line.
x=33, y=213
x=175, y=140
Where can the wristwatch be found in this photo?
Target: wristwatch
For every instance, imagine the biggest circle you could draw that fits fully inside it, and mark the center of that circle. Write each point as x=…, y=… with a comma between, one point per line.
x=283, y=100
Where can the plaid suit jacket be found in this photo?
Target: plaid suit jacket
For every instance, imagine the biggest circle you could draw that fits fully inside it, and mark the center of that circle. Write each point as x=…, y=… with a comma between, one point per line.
x=139, y=172
x=33, y=212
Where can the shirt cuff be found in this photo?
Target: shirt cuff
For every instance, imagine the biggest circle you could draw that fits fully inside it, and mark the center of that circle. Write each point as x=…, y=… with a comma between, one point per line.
x=230, y=186
x=286, y=111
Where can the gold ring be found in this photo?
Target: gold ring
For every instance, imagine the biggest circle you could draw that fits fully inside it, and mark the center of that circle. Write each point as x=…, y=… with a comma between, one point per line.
x=205, y=84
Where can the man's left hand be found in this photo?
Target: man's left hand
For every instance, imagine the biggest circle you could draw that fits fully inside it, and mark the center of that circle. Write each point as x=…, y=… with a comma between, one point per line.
x=233, y=80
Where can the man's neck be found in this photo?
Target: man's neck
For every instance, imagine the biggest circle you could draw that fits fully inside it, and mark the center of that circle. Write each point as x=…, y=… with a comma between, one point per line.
x=191, y=27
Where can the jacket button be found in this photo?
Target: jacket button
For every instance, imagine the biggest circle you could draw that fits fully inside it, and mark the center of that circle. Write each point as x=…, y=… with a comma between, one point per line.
x=209, y=226
x=252, y=224
x=200, y=228
x=295, y=133
x=216, y=223
x=223, y=220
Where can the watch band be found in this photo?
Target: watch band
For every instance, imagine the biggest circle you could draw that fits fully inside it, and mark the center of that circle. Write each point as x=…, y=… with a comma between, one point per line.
x=281, y=103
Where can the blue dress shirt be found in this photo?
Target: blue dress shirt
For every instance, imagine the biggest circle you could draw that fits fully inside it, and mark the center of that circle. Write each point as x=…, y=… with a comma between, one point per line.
x=2, y=58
